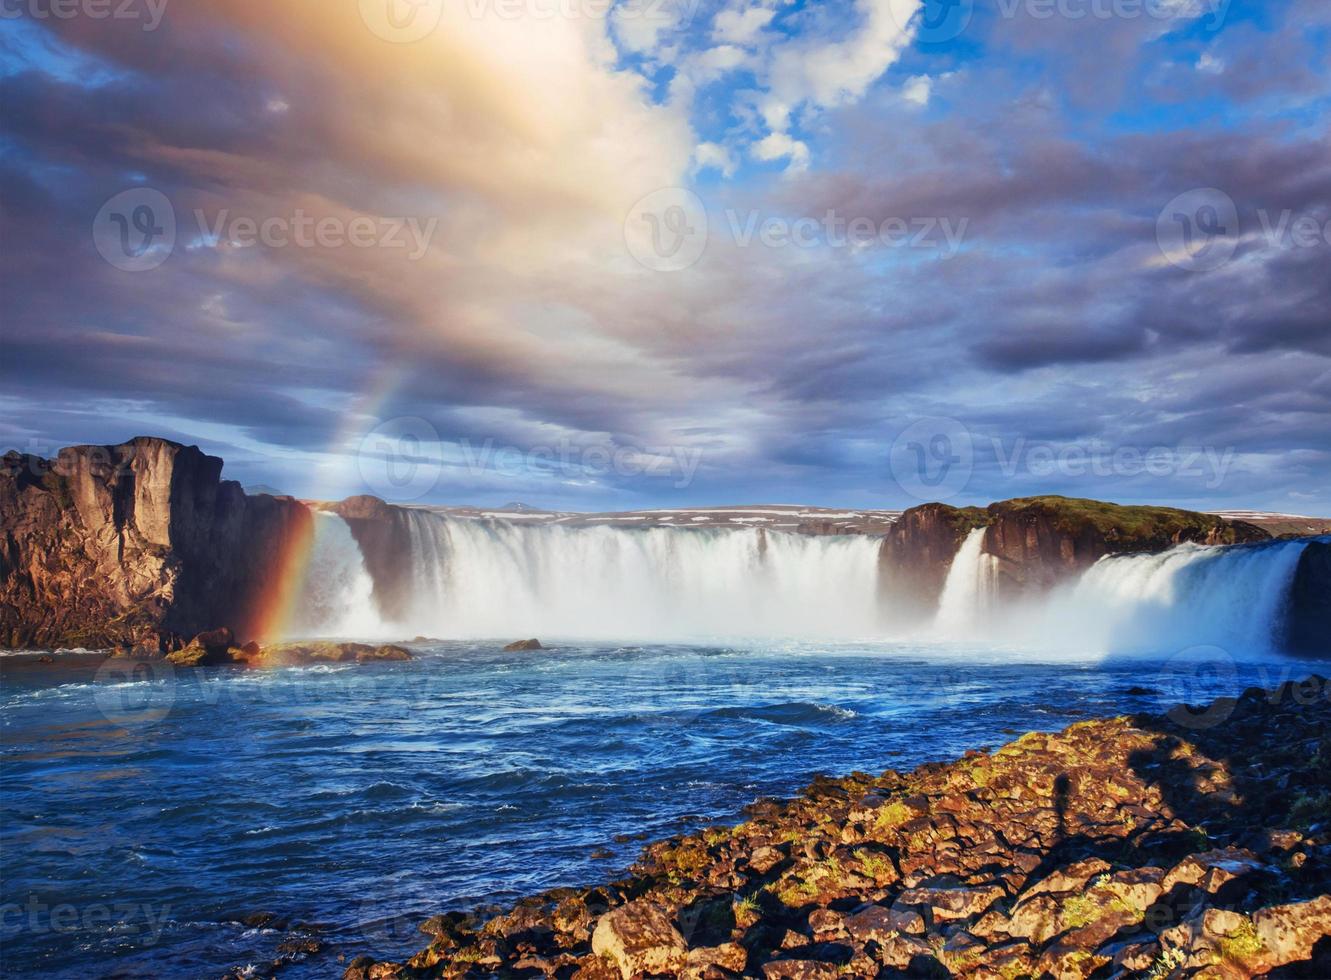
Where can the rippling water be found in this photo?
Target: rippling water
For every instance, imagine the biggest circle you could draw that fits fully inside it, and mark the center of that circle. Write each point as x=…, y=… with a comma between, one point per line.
x=144, y=818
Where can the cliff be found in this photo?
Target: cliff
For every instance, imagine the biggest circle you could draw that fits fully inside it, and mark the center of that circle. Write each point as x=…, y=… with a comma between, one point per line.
x=1309, y=617
x=1190, y=844
x=383, y=533
x=916, y=553
x=1039, y=541
x=136, y=545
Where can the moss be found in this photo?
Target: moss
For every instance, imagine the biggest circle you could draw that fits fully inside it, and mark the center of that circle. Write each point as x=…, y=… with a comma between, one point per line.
x=792, y=893
x=1167, y=962
x=1077, y=911
x=1126, y=528
x=893, y=815
x=875, y=865
x=746, y=905
x=1242, y=944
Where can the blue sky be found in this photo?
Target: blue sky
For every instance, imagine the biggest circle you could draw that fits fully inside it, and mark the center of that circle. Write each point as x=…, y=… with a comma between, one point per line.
x=854, y=254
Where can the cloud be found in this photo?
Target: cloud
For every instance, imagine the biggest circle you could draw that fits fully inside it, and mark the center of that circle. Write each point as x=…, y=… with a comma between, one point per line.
x=526, y=320
x=742, y=24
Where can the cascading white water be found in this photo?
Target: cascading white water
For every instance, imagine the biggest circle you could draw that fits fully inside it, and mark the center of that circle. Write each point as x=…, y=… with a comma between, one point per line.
x=483, y=578
x=1190, y=596
x=489, y=579
x=969, y=592
x=336, y=595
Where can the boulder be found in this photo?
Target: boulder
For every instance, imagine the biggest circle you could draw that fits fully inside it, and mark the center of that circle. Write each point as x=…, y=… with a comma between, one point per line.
x=305, y=653
x=1288, y=933
x=879, y=924
x=800, y=970
x=950, y=904
x=516, y=645
x=640, y=937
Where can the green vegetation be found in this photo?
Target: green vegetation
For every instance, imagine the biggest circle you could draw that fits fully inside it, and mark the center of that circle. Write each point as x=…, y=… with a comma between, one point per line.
x=1078, y=911
x=875, y=865
x=1129, y=527
x=893, y=815
x=1242, y=944
x=1167, y=962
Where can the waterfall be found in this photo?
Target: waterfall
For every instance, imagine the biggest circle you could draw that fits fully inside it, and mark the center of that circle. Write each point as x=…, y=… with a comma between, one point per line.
x=1190, y=596
x=969, y=591
x=335, y=598
x=497, y=579
x=503, y=579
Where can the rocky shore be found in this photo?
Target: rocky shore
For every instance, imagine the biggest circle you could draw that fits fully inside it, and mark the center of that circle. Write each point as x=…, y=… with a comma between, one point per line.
x=1192, y=844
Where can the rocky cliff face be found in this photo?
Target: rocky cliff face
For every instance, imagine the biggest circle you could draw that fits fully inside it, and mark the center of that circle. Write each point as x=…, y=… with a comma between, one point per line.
x=383, y=532
x=916, y=553
x=1310, y=602
x=141, y=544
x=1041, y=541
x=1038, y=541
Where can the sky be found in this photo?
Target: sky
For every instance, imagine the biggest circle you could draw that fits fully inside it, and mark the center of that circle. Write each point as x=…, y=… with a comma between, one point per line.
x=600, y=255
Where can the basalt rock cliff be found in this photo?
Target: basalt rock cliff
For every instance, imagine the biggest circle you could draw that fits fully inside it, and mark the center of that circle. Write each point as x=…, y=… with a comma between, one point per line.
x=1038, y=541
x=383, y=532
x=139, y=545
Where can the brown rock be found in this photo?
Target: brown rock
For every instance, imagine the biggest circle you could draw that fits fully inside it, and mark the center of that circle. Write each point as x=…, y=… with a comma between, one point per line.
x=799, y=970
x=138, y=544
x=728, y=956
x=764, y=859
x=641, y=938
x=879, y=924
x=1288, y=933
x=1211, y=870
x=950, y=904
x=516, y=645
x=1072, y=878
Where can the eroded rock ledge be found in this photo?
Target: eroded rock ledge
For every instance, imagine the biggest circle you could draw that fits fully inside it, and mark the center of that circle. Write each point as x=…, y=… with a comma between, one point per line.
x=1196, y=844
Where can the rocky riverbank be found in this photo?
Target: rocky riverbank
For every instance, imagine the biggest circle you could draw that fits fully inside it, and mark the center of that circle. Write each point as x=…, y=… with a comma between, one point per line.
x=1192, y=844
